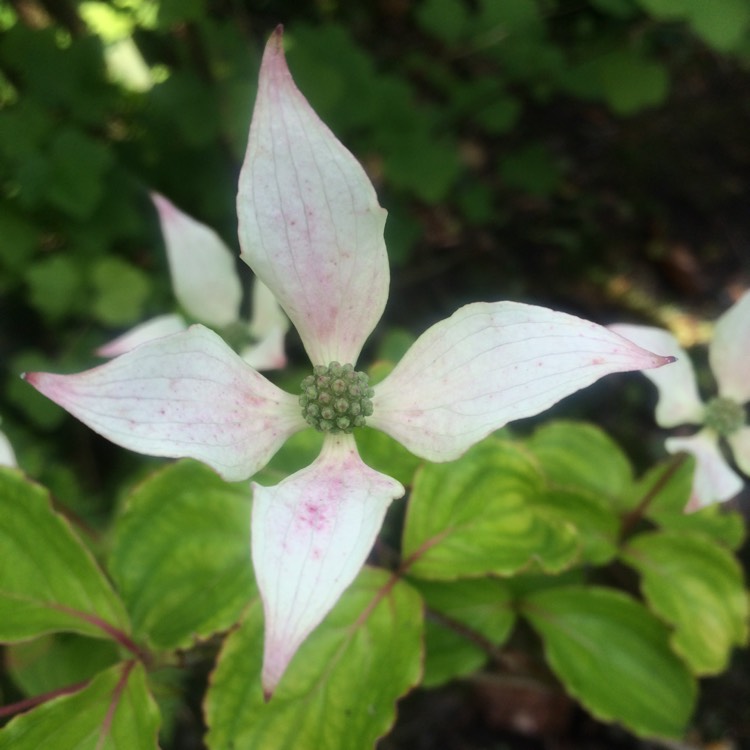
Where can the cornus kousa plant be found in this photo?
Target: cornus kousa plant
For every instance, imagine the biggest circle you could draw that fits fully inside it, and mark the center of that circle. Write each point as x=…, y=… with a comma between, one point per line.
x=207, y=286
x=311, y=229
x=722, y=418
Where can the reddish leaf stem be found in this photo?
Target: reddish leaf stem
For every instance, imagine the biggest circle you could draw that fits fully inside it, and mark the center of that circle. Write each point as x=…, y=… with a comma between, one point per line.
x=630, y=520
x=27, y=703
x=114, y=703
x=114, y=633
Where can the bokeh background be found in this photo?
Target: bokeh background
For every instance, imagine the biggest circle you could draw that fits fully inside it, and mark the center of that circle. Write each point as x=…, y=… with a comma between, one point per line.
x=587, y=155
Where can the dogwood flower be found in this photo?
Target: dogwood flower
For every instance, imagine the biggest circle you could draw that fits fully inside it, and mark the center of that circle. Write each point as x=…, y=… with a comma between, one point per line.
x=207, y=286
x=722, y=417
x=311, y=228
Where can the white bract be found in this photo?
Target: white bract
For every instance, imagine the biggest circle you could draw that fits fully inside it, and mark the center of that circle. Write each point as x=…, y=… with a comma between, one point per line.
x=722, y=417
x=7, y=456
x=207, y=286
x=312, y=230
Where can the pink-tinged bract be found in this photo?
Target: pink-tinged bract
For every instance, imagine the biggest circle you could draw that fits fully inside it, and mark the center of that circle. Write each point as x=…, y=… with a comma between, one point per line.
x=309, y=221
x=186, y=395
x=156, y=328
x=489, y=364
x=679, y=401
x=311, y=535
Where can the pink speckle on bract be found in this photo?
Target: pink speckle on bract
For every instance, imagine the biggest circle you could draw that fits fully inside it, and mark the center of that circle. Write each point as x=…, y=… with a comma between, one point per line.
x=314, y=515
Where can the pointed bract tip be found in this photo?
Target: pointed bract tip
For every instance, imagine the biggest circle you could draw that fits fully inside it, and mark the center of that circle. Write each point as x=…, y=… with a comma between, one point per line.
x=668, y=360
x=164, y=207
x=276, y=40
x=267, y=694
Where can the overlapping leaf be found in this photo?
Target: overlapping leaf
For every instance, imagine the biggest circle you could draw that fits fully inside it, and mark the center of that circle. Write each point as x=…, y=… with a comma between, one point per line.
x=475, y=516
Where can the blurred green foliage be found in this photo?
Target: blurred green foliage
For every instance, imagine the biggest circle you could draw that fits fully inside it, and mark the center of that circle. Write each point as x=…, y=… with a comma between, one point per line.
x=101, y=102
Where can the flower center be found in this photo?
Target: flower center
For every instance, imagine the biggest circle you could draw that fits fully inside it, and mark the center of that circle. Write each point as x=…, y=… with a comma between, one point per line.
x=336, y=398
x=724, y=415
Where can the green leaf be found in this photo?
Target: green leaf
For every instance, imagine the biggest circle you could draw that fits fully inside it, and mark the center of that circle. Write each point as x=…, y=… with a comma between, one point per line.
x=422, y=162
x=20, y=239
x=341, y=688
x=614, y=656
x=624, y=9
x=54, y=285
x=78, y=164
x=172, y=12
x=48, y=579
x=697, y=587
x=460, y=615
x=722, y=526
x=181, y=555
x=475, y=516
x=114, y=712
x=532, y=168
x=666, y=487
x=444, y=19
x=55, y=661
x=720, y=23
x=580, y=455
x=299, y=451
x=723, y=24
x=120, y=291
x=631, y=82
x=597, y=524
x=383, y=453
x=187, y=108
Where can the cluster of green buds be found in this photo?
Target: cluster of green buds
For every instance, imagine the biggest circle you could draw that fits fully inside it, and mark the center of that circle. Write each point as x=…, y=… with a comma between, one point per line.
x=336, y=398
x=724, y=415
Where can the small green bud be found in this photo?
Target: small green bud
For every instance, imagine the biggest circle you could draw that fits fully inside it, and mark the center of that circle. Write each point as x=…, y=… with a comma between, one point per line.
x=336, y=398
